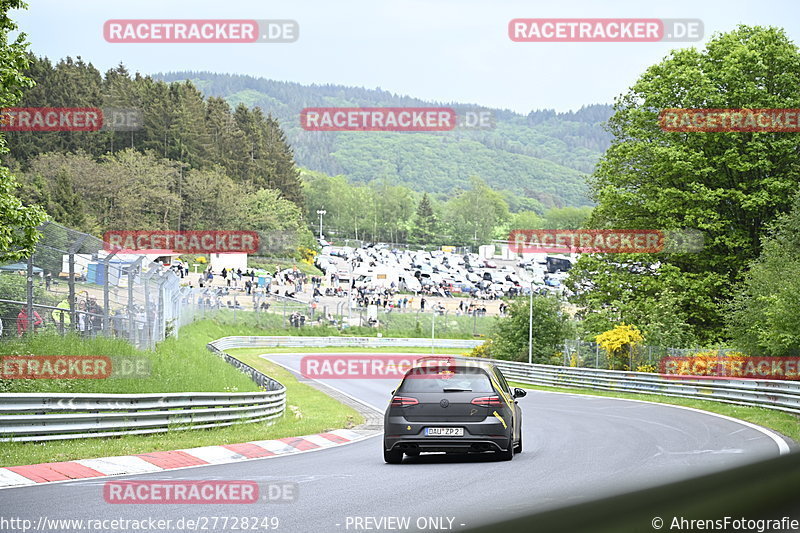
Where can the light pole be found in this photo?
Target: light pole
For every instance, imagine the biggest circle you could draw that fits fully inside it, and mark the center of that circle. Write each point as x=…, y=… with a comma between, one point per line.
x=320, y=212
x=530, y=328
x=433, y=333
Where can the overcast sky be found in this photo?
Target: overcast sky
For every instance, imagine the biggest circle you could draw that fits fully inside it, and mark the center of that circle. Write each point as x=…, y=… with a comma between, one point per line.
x=442, y=50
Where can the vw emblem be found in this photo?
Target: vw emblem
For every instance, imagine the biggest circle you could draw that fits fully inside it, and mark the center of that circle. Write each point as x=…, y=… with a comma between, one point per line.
x=444, y=403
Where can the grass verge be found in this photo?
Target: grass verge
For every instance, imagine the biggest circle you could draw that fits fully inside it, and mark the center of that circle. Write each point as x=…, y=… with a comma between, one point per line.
x=308, y=411
x=784, y=423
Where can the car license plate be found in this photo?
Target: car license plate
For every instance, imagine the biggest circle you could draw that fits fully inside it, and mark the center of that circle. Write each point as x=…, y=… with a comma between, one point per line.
x=444, y=432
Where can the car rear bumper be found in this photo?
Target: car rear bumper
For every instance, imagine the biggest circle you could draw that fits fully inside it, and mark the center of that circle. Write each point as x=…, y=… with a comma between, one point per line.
x=409, y=437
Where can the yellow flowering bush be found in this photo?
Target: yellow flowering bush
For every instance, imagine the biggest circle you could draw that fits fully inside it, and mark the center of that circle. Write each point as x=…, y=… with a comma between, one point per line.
x=307, y=255
x=618, y=343
x=482, y=350
x=706, y=363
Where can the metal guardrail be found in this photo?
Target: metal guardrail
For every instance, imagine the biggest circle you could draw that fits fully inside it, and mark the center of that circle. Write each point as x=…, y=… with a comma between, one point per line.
x=26, y=417
x=780, y=395
x=321, y=342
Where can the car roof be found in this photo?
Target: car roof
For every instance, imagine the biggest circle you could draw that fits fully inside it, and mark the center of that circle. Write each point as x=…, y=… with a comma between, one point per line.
x=455, y=361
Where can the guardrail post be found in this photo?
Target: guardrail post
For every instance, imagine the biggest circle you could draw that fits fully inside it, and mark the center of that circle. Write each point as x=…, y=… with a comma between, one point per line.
x=106, y=299
x=29, y=295
x=71, y=281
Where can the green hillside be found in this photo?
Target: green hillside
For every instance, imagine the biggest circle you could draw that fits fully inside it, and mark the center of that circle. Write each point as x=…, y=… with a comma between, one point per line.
x=544, y=155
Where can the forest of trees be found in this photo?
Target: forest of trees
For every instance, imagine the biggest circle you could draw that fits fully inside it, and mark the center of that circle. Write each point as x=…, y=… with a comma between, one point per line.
x=382, y=211
x=737, y=188
x=543, y=157
x=194, y=164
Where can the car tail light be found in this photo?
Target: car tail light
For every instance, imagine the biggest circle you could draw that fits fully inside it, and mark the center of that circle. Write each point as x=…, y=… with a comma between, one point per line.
x=402, y=401
x=487, y=401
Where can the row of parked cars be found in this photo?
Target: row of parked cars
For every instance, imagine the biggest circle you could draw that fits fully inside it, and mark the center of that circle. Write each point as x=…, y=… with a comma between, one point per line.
x=436, y=272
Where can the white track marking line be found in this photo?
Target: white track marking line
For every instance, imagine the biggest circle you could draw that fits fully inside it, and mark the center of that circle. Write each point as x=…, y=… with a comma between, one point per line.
x=121, y=464
x=9, y=478
x=294, y=371
x=214, y=454
x=783, y=447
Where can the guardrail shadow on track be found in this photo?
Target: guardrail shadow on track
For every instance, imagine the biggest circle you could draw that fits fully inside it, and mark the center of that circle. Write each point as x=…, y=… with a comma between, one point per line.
x=763, y=490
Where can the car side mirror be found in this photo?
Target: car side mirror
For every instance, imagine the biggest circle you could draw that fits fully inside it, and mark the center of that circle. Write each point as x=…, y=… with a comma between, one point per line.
x=519, y=393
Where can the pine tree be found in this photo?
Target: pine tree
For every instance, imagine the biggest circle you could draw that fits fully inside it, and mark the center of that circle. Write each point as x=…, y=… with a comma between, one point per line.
x=425, y=225
x=68, y=207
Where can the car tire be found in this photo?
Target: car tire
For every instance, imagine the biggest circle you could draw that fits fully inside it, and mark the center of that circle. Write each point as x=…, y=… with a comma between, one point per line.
x=393, y=457
x=519, y=444
x=508, y=454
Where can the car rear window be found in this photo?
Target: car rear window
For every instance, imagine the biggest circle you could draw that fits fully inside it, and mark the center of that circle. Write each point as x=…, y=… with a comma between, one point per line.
x=426, y=380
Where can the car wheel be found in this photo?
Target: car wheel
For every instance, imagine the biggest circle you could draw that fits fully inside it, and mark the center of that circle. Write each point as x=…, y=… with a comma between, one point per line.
x=393, y=457
x=509, y=453
x=519, y=444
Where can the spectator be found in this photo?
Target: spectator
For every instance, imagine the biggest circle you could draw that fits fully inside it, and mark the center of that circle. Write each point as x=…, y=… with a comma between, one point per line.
x=119, y=324
x=23, y=322
x=96, y=316
x=83, y=321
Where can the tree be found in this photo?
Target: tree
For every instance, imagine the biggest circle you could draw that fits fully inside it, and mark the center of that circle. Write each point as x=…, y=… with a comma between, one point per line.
x=566, y=217
x=727, y=185
x=211, y=200
x=550, y=329
x=68, y=207
x=763, y=314
x=473, y=215
x=424, y=228
x=280, y=223
x=635, y=290
x=18, y=222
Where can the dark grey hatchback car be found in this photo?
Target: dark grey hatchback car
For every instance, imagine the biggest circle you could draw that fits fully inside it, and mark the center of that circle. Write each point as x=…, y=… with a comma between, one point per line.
x=455, y=406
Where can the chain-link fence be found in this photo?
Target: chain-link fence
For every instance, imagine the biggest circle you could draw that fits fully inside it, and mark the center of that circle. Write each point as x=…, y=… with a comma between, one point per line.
x=271, y=311
x=71, y=284
x=585, y=354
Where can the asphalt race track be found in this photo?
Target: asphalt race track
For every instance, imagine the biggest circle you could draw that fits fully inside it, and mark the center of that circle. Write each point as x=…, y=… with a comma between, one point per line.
x=576, y=448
